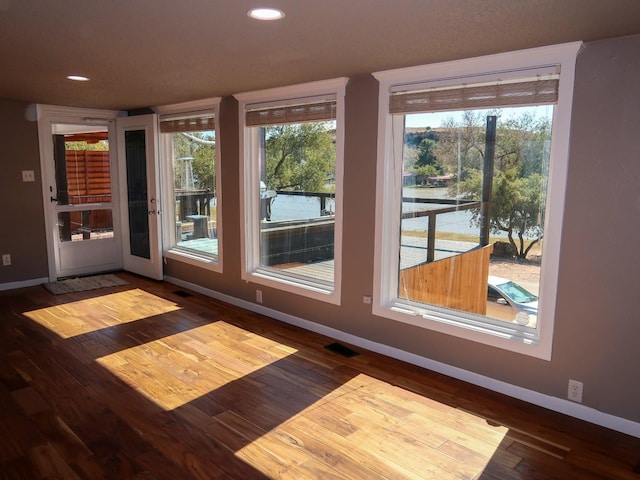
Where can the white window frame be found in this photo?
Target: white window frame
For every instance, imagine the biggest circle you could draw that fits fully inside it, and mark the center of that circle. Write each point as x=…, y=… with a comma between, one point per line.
x=386, y=303
x=251, y=270
x=166, y=174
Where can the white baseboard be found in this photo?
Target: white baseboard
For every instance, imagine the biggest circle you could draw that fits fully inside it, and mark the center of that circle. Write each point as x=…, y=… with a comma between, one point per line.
x=23, y=284
x=559, y=405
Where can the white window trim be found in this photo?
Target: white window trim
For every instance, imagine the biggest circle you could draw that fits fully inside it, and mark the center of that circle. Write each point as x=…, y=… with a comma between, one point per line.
x=385, y=299
x=250, y=178
x=166, y=173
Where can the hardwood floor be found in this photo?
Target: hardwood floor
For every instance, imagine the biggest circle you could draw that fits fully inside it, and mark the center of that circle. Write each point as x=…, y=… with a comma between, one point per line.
x=142, y=382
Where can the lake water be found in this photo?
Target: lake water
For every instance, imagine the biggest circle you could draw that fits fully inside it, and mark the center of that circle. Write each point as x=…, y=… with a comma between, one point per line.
x=454, y=222
x=292, y=207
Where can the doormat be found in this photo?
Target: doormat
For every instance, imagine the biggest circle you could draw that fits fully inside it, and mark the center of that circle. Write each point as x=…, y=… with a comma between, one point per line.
x=82, y=284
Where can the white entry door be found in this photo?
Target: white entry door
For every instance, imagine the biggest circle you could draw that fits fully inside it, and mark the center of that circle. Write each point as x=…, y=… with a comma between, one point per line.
x=80, y=197
x=140, y=206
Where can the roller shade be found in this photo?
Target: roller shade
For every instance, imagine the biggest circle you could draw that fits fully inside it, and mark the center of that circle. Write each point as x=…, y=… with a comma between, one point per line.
x=279, y=115
x=191, y=123
x=469, y=97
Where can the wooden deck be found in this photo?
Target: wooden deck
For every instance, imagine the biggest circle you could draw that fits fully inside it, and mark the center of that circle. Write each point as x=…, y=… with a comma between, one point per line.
x=412, y=253
x=145, y=381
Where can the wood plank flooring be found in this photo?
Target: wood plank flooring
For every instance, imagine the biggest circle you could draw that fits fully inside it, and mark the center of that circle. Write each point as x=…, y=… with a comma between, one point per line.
x=141, y=382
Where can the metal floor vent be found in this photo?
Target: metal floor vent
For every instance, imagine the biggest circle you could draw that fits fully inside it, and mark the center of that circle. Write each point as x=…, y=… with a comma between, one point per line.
x=182, y=293
x=341, y=350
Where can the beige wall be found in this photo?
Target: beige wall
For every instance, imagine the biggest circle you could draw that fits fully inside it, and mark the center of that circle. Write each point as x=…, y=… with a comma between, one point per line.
x=597, y=327
x=22, y=217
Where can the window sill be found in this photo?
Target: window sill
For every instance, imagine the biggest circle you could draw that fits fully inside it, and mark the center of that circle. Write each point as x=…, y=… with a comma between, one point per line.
x=207, y=262
x=511, y=337
x=298, y=286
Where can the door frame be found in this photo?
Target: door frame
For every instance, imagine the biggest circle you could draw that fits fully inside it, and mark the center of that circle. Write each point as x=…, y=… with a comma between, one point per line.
x=48, y=115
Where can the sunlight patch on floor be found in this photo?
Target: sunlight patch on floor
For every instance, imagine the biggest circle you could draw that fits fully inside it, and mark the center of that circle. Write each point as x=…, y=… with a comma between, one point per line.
x=182, y=367
x=100, y=312
x=394, y=430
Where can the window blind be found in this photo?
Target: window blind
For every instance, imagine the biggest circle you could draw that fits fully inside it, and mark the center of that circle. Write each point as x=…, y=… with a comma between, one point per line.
x=192, y=123
x=308, y=112
x=469, y=97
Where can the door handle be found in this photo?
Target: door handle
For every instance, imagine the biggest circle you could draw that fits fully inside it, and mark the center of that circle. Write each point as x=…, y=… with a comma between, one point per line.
x=53, y=199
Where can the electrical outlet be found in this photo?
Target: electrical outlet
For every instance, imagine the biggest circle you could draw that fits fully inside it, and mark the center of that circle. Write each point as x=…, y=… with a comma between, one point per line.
x=28, y=176
x=259, y=296
x=6, y=259
x=575, y=391
x=366, y=299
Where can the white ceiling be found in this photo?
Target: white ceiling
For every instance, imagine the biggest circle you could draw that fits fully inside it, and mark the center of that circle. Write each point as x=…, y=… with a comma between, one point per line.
x=141, y=53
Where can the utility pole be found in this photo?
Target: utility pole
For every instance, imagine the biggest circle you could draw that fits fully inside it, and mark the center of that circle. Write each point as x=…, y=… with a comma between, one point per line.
x=487, y=179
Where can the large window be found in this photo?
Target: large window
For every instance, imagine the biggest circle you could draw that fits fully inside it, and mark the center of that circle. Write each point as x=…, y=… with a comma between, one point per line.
x=192, y=181
x=291, y=181
x=471, y=175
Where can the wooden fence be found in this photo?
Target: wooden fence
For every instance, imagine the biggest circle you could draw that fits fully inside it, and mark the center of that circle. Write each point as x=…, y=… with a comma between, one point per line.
x=458, y=282
x=89, y=181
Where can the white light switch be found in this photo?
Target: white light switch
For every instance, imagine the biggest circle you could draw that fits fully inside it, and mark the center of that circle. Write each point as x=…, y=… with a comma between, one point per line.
x=28, y=176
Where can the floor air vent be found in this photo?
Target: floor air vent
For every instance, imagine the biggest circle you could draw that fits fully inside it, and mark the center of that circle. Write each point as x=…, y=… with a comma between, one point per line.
x=341, y=350
x=182, y=293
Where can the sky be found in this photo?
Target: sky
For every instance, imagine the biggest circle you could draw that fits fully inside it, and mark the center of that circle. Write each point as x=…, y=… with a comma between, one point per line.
x=436, y=119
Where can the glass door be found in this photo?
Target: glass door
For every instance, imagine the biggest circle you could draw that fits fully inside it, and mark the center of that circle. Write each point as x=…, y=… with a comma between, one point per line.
x=137, y=137
x=81, y=195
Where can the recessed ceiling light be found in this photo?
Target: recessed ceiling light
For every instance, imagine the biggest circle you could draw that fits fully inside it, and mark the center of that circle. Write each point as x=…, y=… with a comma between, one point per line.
x=266, y=13
x=78, y=78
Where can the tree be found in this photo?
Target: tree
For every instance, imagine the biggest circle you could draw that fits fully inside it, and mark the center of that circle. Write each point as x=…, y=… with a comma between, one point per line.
x=426, y=155
x=199, y=147
x=516, y=207
x=204, y=163
x=102, y=145
x=520, y=164
x=420, y=154
x=300, y=157
x=414, y=136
